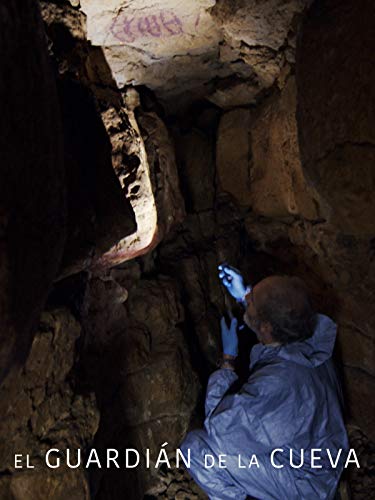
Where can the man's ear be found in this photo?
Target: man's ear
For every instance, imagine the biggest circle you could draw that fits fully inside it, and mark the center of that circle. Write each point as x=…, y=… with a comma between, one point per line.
x=266, y=327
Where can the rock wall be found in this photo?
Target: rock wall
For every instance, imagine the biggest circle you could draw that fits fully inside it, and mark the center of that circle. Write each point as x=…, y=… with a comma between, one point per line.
x=99, y=214
x=136, y=360
x=258, y=158
x=42, y=409
x=144, y=162
x=32, y=197
x=336, y=111
x=336, y=120
x=227, y=51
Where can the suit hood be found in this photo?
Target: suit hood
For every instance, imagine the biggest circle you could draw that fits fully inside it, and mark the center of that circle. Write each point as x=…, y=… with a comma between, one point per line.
x=311, y=352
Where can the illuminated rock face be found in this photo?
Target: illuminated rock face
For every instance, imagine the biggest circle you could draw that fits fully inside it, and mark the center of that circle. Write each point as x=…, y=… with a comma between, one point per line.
x=153, y=43
x=99, y=214
x=143, y=160
x=123, y=188
x=160, y=151
x=184, y=49
x=163, y=29
x=131, y=166
x=258, y=158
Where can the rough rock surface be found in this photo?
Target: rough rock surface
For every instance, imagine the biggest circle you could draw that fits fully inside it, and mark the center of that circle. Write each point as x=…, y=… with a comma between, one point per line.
x=133, y=172
x=41, y=409
x=144, y=162
x=163, y=171
x=336, y=113
x=346, y=267
x=32, y=197
x=158, y=37
x=362, y=481
x=99, y=213
x=336, y=128
x=195, y=159
x=111, y=176
x=258, y=158
x=183, y=50
x=56, y=485
x=278, y=185
x=137, y=361
x=233, y=154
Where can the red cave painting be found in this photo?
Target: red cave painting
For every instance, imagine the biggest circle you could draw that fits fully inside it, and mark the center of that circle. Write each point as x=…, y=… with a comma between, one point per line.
x=130, y=28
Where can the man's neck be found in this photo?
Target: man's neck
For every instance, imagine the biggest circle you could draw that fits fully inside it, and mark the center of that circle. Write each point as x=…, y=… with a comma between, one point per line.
x=272, y=344
x=267, y=339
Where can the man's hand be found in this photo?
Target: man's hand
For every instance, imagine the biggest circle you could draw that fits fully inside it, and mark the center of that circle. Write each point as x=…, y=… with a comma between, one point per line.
x=233, y=282
x=229, y=337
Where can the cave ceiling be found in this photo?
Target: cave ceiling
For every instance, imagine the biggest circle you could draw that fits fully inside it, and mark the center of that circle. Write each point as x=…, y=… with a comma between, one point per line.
x=228, y=52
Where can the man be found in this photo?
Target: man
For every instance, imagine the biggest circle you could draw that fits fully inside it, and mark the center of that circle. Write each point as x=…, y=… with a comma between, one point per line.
x=291, y=401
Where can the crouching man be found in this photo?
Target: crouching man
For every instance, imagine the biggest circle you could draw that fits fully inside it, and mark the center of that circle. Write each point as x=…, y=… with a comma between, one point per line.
x=291, y=401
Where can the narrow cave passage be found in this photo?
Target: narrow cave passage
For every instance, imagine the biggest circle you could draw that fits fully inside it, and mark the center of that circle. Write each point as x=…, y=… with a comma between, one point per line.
x=160, y=139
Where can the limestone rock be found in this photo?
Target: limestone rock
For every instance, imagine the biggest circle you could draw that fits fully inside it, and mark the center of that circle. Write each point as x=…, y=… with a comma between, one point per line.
x=258, y=158
x=268, y=202
x=137, y=359
x=163, y=172
x=235, y=93
x=37, y=485
x=359, y=388
x=41, y=410
x=156, y=35
x=203, y=296
x=336, y=116
x=146, y=169
x=150, y=27
x=99, y=213
x=108, y=317
x=181, y=50
x=258, y=23
x=195, y=161
x=32, y=185
x=361, y=481
x=233, y=151
x=133, y=173
x=278, y=186
x=63, y=15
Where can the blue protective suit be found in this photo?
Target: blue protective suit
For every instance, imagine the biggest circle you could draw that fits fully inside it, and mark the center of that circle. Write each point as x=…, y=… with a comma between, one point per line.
x=292, y=400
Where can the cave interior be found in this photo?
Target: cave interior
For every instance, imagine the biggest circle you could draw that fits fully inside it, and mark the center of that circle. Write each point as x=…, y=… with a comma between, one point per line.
x=143, y=143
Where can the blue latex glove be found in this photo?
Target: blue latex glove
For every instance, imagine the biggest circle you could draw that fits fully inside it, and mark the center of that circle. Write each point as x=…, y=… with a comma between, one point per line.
x=233, y=282
x=229, y=337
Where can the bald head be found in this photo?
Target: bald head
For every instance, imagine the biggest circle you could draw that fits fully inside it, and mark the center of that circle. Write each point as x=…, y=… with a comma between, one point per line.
x=282, y=303
x=289, y=291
